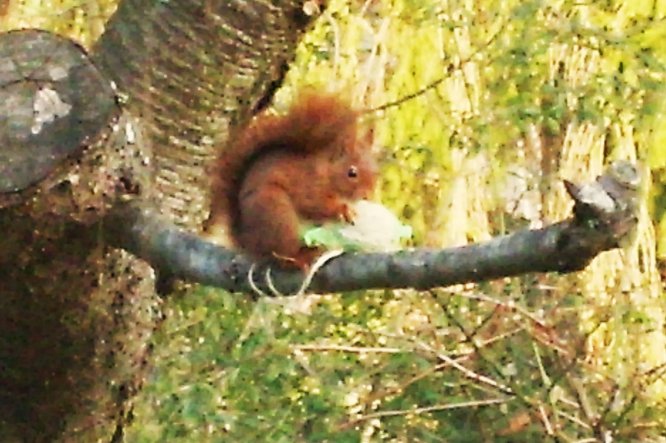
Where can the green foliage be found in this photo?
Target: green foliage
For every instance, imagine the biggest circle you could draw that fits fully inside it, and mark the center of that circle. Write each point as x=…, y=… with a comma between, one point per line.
x=81, y=20
x=234, y=372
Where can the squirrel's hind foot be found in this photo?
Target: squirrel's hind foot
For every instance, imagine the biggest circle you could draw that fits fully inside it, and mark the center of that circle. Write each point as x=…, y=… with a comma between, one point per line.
x=311, y=271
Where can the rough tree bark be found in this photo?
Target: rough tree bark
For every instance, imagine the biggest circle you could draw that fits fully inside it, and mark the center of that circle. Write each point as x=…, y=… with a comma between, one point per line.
x=76, y=314
x=193, y=70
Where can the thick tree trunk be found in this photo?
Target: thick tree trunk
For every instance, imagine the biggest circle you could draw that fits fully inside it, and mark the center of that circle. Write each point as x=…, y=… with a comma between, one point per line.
x=193, y=70
x=76, y=315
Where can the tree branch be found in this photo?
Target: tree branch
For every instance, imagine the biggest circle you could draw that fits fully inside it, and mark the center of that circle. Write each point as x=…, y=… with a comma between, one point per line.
x=566, y=246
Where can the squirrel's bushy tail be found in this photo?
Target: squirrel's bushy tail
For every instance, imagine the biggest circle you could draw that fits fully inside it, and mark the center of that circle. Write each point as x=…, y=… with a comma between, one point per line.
x=312, y=123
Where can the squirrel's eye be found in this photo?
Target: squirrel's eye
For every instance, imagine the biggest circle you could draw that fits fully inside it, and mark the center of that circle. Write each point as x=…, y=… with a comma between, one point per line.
x=352, y=172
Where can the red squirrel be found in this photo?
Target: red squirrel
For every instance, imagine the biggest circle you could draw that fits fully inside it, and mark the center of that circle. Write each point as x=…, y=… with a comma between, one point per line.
x=307, y=165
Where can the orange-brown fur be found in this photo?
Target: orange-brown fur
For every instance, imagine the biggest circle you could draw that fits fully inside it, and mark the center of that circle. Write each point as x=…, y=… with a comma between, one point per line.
x=305, y=165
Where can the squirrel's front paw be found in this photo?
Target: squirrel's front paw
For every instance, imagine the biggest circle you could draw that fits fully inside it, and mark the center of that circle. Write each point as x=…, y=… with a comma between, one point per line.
x=348, y=214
